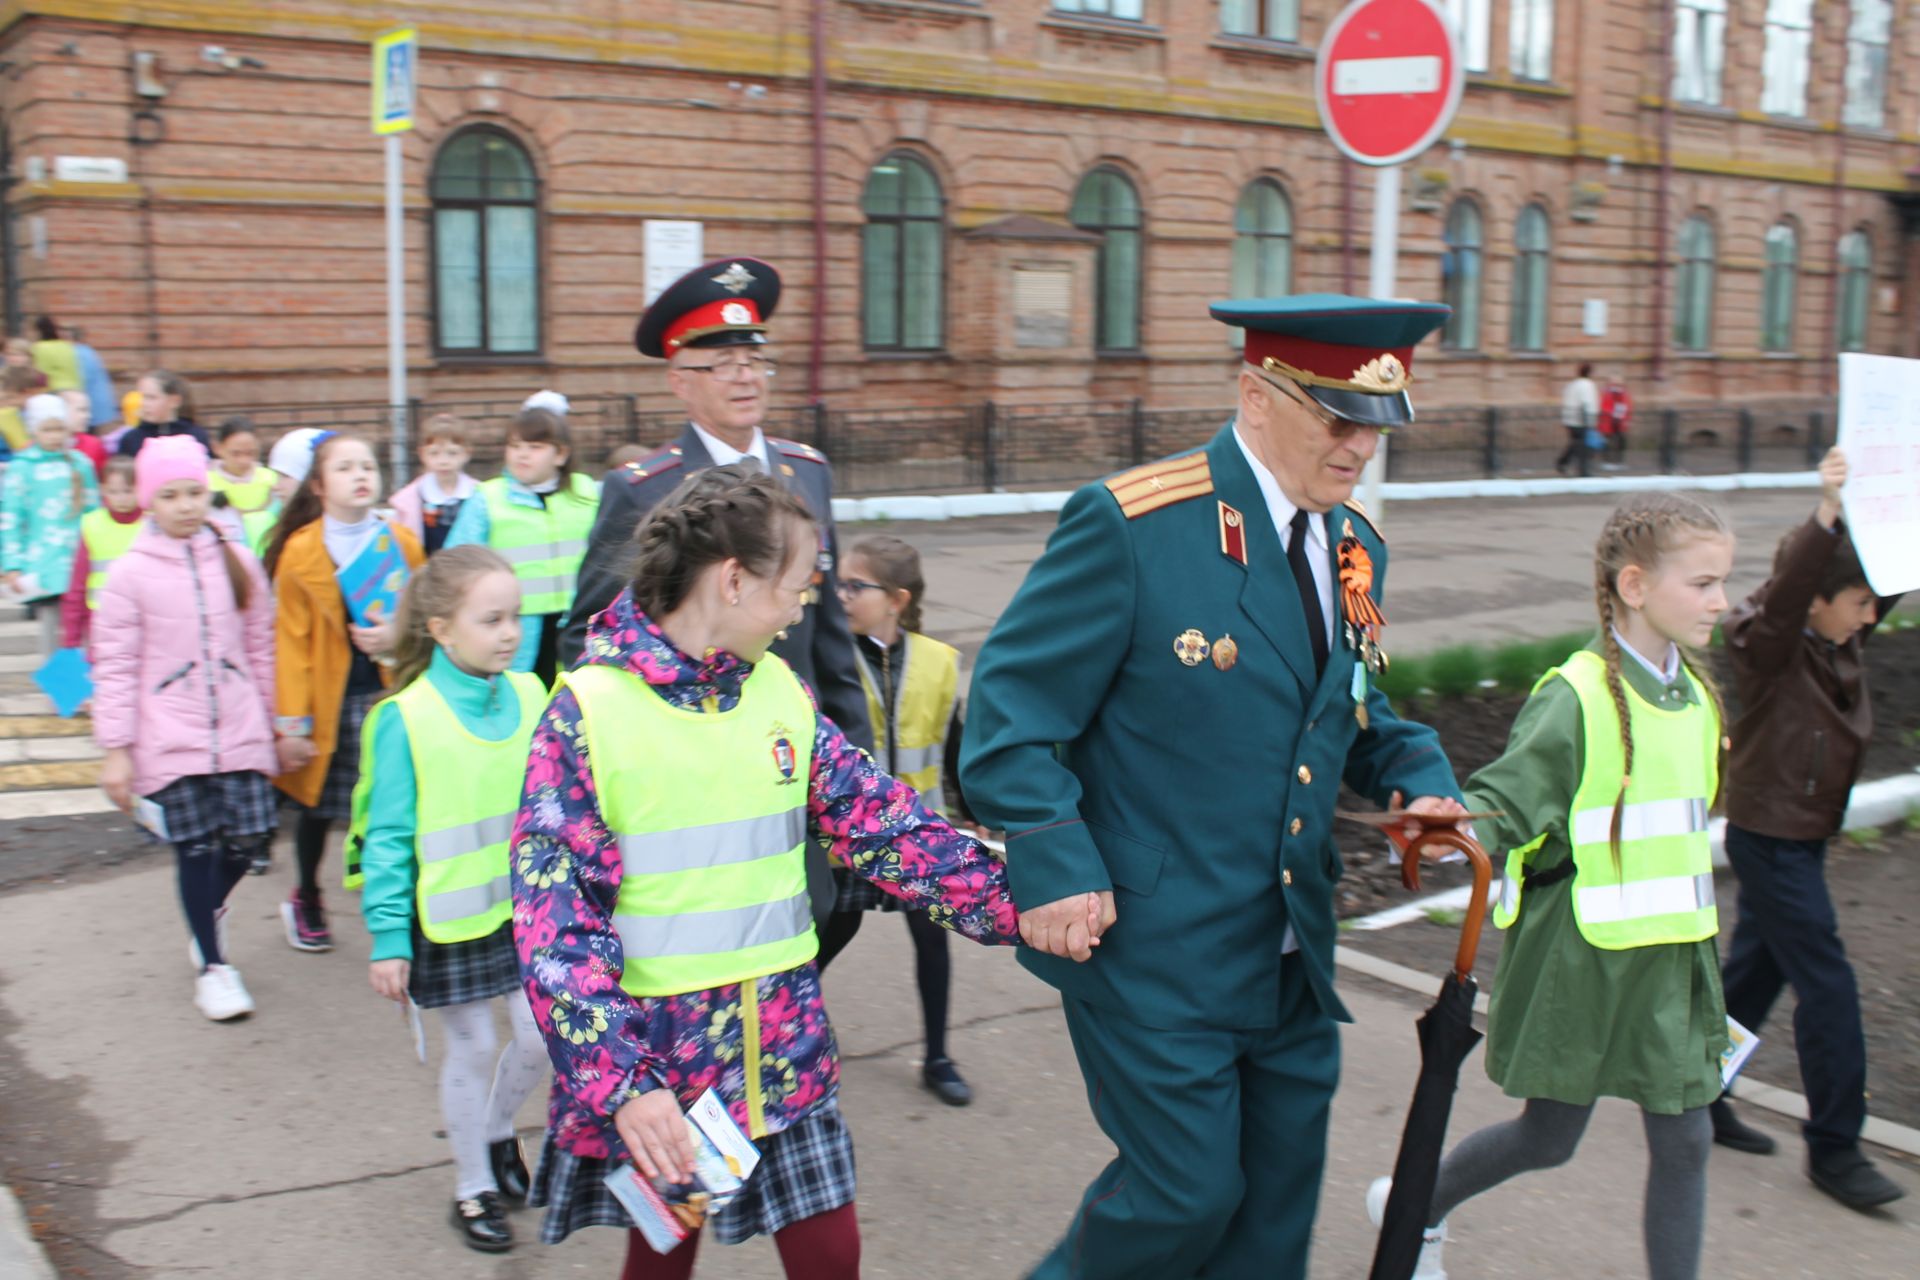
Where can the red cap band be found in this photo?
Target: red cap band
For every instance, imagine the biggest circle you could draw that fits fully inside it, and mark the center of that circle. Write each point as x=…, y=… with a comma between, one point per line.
x=1332, y=360
x=712, y=317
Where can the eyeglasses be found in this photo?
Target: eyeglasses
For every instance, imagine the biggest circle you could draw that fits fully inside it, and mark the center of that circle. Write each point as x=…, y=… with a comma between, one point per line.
x=854, y=586
x=1340, y=428
x=735, y=370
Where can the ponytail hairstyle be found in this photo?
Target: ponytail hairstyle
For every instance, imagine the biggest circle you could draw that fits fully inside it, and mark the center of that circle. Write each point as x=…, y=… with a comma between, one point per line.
x=544, y=426
x=896, y=566
x=236, y=573
x=1640, y=532
x=304, y=507
x=722, y=513
x=435, y=591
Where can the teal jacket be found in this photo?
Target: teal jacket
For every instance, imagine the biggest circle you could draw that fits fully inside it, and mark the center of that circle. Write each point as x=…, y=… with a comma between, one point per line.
x=489, y=710
x=39, y=526
x=1112, y=764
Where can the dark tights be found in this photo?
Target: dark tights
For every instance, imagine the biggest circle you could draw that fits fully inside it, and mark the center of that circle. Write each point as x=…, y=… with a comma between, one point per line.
x=823, y=1247
x=932, y=967
x=208, y=871
x=309, y=843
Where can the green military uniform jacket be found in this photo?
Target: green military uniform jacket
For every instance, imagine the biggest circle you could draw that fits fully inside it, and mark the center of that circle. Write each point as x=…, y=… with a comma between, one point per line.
x=1568, y=1020
x=1203, y=797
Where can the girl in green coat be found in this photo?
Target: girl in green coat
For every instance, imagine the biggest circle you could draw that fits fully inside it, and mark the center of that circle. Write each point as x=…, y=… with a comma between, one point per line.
x=48, y=487
x=1609, y=984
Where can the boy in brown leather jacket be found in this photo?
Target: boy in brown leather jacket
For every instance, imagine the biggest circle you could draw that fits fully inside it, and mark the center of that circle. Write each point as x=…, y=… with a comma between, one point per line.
x=1796, y=647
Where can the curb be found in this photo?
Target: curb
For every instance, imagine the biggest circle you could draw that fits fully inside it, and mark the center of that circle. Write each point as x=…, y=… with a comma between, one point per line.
x=962, y=506
x=21, y=1257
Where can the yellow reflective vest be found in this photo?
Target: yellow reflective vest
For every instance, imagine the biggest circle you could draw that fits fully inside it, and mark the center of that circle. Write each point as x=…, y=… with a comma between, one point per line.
x=912, y=743
x=107, y=540
x=709, y=810
x=467, y=793
x=544, y=544
x=1662, y=890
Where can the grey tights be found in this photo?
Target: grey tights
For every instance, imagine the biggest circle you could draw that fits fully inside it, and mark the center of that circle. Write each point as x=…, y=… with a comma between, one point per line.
x=1545, y=1135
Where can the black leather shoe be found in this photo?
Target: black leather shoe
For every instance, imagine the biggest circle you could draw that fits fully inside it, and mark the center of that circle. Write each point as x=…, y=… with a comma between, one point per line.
x=941, y=1076
x=482, y=1223
x=509, y=1170
x=1729, y=1130
x=1850, y=1178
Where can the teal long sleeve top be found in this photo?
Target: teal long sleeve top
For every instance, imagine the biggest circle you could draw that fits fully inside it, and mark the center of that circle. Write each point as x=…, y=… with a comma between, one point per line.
x=489, y=710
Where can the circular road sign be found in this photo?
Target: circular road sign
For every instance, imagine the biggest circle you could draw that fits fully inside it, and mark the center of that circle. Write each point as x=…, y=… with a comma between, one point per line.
x=1387, y=79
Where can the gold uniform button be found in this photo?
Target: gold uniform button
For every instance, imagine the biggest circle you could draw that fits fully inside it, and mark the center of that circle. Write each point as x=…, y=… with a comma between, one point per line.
x=1286, y=878
x=1305, y=775
x=1294, y=830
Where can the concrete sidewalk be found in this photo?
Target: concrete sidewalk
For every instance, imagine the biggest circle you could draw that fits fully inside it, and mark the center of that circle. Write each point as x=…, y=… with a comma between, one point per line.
x=302, y=1143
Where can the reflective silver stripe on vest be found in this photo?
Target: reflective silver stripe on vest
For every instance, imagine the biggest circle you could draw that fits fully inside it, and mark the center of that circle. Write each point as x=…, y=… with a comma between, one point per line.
x=468, y=837
x=463, y=904
x=717, y=844
x=1509, y=894
x=1644, y=821
x=703, y=933
x=544, y=551
x=561, y=584
x=1670, y=896
x=908, y=760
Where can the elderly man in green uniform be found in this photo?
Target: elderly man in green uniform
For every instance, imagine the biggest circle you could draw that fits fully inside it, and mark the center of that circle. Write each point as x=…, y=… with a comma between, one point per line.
x=1163, y=716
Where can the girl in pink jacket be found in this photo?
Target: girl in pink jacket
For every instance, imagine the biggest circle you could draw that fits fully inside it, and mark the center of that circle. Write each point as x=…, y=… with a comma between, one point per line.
x=183, y=701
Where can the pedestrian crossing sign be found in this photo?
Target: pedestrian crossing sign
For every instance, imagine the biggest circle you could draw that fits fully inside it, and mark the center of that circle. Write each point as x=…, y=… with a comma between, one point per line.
x=395, y=60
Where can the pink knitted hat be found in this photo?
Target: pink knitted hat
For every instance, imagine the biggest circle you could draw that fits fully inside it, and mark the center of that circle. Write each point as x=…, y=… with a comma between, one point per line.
x=164, y=459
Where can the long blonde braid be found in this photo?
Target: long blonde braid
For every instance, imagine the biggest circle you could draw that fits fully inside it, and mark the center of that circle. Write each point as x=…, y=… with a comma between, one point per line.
x=1639, y=532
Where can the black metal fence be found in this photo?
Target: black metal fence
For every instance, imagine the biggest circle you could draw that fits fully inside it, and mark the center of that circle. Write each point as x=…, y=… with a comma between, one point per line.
x=986, y=446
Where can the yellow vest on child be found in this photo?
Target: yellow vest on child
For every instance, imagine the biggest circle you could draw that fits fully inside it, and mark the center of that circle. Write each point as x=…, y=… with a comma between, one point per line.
x=926, y=685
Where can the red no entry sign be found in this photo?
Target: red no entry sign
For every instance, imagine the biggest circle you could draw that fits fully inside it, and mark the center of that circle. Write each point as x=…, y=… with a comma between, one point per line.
x=1387, y=79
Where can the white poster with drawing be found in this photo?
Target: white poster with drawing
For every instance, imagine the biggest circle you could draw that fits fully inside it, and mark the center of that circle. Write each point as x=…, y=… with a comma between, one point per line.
x=1880, y=434
x=671, y=250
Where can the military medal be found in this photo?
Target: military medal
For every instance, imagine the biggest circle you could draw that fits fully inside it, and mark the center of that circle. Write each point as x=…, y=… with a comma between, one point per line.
x=1363, y=617
x=1191, y=647
x=1225, y=653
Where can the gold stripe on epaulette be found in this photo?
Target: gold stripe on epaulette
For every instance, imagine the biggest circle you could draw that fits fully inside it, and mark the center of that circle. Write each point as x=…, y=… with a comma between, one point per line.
x=1353, y=505
x=1161, y=484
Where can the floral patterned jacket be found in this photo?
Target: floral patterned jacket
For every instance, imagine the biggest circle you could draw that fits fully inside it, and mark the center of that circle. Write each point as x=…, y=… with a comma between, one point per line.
x=766, y=1045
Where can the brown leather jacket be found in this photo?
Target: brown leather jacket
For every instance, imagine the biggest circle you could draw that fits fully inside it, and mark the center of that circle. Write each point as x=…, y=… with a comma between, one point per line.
x=1804, y=713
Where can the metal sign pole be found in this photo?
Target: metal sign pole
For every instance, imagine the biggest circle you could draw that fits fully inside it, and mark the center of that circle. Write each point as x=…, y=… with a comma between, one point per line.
x=1383, y=267
x=396, y=313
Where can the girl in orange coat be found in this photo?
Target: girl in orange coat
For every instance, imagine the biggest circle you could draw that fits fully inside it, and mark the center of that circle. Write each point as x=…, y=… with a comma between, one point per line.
x=330, y=670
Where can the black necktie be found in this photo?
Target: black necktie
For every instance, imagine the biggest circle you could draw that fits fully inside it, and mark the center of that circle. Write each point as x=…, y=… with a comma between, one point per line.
x=1309, y=591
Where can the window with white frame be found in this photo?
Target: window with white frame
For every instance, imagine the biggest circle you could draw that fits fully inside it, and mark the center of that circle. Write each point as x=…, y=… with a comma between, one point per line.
x=1532, y=249
x=1868, y=34
x=1693, y=286
x=1780, y=287
x=1460, y=277
x=1699, y=50
x=1472, y=22
x=1274, y=19
x=1530, y=39
x=1788, y=57
x=1130, y=9
x=1856, y=288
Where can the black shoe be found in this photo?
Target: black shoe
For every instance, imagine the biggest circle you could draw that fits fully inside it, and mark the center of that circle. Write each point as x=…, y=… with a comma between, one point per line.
x=482, y=1223
x=941, y=1076
x=1850, y=1178
x=1729, y=1130
x=509, y=1170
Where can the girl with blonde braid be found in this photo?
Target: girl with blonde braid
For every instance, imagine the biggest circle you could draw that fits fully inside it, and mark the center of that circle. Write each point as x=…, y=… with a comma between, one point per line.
x=1609, y=985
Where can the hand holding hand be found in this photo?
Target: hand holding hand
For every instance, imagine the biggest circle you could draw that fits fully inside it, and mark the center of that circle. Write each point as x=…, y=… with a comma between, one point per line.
x=295, y=753
x=389, y=978
x=1438, y=806
x=1070, y=927
x=116, y=778
x=656, y=1135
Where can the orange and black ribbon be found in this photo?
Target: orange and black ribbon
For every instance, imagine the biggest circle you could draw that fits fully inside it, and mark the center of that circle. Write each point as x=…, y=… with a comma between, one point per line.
x=1356, y=589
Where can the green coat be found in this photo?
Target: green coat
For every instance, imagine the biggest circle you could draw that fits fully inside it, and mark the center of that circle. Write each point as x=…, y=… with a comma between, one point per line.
x=1570, y=1021
x=1111, y=764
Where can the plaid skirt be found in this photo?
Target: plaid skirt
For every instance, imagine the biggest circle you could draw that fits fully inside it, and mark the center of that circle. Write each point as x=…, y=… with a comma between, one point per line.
x=857, y=893
x=447, y=973
x=235, y=804
x=343, y=771
x=804, y=1171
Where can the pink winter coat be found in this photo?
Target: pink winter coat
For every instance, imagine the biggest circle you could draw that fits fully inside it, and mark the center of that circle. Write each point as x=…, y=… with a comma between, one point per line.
x=180, y=676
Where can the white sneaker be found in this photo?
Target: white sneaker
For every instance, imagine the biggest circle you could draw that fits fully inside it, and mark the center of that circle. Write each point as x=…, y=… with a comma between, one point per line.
x=1429, y=1267
x=220, y=995
x=219, y=938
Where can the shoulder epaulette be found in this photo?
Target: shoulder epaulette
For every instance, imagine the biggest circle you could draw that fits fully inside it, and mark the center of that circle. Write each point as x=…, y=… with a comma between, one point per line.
x=665, y=460
x=1353, y=505
x=794, y=449
x=1161, y=484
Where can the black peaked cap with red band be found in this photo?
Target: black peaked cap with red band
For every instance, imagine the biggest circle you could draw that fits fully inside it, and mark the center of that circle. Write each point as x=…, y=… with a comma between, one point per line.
x=1352, y=355
x=725, y=303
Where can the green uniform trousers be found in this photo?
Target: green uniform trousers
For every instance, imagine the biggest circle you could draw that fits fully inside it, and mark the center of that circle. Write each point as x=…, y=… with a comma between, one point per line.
x=1222, y=1136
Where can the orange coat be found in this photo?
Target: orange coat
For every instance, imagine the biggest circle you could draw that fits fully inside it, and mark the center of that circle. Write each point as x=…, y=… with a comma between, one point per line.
x=313, y=649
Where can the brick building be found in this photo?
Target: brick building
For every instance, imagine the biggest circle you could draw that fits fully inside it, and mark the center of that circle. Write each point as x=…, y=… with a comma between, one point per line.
x=1017, y=200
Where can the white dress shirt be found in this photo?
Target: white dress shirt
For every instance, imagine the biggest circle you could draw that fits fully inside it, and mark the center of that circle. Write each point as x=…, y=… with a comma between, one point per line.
x=725, y=455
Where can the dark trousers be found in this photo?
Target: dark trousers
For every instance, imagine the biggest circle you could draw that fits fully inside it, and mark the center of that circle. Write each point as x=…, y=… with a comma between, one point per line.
x=1575, y=452
x=1788, y=935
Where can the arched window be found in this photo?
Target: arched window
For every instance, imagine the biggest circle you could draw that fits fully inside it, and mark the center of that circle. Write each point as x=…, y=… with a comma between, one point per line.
x=1693, y=287
x=903, y=286
x=1856, y=287
x=1107, y=205
x=1532, y=246
x=1262, y=241
x=1780, y=287
x=1460, y=271
x=486, y=246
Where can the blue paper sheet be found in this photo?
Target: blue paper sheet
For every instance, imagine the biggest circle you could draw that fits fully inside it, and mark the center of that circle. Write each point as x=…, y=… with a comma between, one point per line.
x=373, y=580
x=67, y=678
